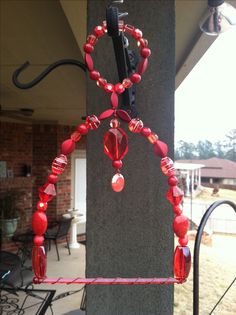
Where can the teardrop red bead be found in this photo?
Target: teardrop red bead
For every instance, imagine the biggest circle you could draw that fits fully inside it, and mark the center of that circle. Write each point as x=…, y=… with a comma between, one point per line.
x=115, y=143
x=180, y=225
x=182, y=262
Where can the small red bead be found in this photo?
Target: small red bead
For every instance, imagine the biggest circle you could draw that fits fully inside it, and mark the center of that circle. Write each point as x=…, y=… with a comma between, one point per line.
x=135, y=78
x=183, y=241
x=143, y=42
x=145, y=131
x=177, y=209
x=88, y=48
x=38, y=240
x=180, y=225
x=109, y=88
x=42, y=206
x=127, y=83
x=52, y=178
x=101, y=82
x=137, y=34
x=117, y=164
x=99, y=31
x=67, y=147
x=94, y=75
x=75, y=136
x=172, y=181
x=145, y=52
x=82, y=129
x=119, y=88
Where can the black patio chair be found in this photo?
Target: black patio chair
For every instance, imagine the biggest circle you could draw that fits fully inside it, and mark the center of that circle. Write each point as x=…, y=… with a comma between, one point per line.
x=59, y=232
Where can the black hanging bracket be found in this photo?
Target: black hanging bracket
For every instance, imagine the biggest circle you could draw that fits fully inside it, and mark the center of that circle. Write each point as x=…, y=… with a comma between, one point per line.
x=126, y=60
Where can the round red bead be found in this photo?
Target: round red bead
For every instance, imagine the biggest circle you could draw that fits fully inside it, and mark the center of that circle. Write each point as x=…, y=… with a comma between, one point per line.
x=42, y=206
x=177, y=209
x=94, y=75
x=172, y=181
x=145, y=52
x=67, y=147
x=119, y=88
x=82, y=129
x=183, y=241
x=180, y=225
x=99, y=31
x=137, y=33
x=135, y=78
x=88, y=48
x=52, y=178
x=143, y=42
x=38, y=240
x=109, y=88
x=117, y=164
x=145, y=131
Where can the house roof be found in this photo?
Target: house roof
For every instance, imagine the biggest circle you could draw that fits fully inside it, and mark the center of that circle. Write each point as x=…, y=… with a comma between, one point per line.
x=215, y=167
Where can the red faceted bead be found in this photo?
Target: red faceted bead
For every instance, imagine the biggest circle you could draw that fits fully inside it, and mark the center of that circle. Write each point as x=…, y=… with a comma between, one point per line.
x=52, y=178
x=59, y=164
x=101, y=82
x=160, y=148
x=38, y=240
x=175, y=195
x=39, y=261
x=167, y=166
x=99, y=31
x=127, y=83
x=92, y=40
x=42, y=206
x=114, y=123
x=145, y=52
x=137, y=34
x=47, y=192
x=177, y=209
x=172, y=181
x=182, y=262
x=119, y=88
x=109, y=88
x=180, y=225
x=82, y=129
x=115, y=143
x=135, y=78
x=94, y=75
x=143, y=42
x=129, y=28
x=142, y=66
x=117, y=182
x=75, y=136
x=183, y=241
x=89, y=62
x=67, y=147
x=88, y=48
x=135, y=125
x=152, y=138
x=93, y=122
x=117, y=164
x=39, y=222
x=145, y=131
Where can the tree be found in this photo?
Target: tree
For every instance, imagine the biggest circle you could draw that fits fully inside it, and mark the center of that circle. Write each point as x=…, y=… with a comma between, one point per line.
x=205, y=149
x=231, y=145
x=185, y=151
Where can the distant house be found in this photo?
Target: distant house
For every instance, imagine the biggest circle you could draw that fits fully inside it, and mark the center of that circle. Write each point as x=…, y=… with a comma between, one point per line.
x=216, y=171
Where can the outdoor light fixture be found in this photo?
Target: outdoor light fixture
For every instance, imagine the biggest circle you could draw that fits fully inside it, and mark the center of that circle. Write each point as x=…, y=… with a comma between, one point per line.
x=219, y=17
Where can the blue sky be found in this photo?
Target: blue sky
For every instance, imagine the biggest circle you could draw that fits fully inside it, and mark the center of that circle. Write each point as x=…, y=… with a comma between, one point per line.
x=205, y=102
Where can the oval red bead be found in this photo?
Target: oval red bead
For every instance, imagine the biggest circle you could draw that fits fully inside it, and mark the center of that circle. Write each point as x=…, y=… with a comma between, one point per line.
x=160, y=148
x=39, y=262
x=39, y=222
x=117, y=182
x=114, y=100
x=142, y=66
x=89, y=62
x=182, y=262
x=82, y=129
x=180, y=225
x=115, y=143
x=67, y=147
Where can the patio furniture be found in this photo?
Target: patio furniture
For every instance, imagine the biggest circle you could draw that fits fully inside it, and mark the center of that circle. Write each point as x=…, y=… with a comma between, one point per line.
x=59, y=232
x=24, y=243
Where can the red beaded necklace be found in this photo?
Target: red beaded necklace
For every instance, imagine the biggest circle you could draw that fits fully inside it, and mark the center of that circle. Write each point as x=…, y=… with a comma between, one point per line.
x=115, y=147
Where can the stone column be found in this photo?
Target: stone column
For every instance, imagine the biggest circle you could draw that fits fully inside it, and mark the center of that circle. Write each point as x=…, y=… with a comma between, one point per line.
x=129, y=234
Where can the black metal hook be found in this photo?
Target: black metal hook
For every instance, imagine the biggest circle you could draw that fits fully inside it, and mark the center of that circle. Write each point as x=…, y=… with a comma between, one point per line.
x=45, y=72
x=126, y=60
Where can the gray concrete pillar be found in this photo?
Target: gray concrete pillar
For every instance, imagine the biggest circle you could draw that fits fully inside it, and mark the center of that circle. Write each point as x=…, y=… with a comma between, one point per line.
x=129, y=234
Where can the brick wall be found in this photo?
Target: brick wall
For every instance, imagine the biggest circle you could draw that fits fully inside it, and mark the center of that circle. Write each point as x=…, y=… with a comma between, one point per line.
x=35, y=145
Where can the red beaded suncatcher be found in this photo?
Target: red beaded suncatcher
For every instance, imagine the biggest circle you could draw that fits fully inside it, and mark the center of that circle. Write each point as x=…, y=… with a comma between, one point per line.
x=115, y=147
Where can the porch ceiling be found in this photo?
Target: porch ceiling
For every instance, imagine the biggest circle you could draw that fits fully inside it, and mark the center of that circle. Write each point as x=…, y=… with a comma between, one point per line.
x=45, y=31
